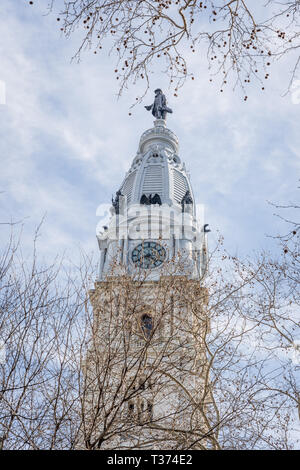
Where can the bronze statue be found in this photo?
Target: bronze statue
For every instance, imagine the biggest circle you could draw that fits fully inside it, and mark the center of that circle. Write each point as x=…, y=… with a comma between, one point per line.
x=187, y=199
x=116, y=201
x=147, y=200
x=159, y=107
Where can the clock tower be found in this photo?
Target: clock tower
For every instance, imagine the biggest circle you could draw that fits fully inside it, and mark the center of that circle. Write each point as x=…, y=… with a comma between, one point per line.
x=154, y=212
x=147, y=349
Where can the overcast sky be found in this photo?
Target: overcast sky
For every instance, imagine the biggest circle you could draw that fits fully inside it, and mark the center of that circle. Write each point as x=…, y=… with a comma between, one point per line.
x=67, y=141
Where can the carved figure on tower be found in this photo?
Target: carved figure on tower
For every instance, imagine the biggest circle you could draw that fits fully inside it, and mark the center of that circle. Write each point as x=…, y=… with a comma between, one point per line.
x=159, y=106
x=116, y=201
x=187, y=199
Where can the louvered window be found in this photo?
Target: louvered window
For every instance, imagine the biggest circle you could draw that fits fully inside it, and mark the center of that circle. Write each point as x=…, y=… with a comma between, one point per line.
x=180, y=185
x=153, y=181
x=128, y=186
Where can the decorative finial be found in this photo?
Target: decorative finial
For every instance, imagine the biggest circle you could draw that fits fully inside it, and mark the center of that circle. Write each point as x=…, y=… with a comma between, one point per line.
x=159, y=106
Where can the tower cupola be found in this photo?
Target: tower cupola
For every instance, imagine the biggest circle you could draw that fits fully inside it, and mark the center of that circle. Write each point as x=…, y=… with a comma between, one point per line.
x=156, y=192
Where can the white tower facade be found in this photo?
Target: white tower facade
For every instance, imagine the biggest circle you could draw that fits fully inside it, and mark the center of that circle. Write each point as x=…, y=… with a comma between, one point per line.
x=155, y=205
x=145, y=369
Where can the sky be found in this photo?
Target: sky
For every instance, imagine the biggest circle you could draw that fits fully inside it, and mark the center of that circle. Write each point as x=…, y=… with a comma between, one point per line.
x=66, y=140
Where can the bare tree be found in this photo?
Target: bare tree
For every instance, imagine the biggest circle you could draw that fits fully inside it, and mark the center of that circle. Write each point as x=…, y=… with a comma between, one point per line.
x=39, y=305
x=264, y=361
x=179, y=364
x=240, y=38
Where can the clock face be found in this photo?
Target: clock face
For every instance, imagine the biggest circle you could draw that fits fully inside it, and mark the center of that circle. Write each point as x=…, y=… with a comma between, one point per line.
x=148, y=255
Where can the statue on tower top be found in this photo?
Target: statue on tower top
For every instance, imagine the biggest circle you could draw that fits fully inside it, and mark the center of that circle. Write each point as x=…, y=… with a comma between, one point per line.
x=159, y=106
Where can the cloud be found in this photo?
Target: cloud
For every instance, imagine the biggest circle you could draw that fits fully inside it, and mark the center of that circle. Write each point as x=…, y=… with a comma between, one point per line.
x=66, y=141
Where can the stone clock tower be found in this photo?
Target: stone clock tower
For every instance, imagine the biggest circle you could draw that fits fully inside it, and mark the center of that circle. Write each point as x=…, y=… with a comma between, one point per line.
x=147, y=363
x=155, y=203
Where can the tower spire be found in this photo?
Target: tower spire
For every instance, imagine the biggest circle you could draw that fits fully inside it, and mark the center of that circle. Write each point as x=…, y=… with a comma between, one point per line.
x=155, y=207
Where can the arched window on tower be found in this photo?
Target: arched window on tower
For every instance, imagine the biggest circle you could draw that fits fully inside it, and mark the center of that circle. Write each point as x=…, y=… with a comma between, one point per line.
x=147, y=325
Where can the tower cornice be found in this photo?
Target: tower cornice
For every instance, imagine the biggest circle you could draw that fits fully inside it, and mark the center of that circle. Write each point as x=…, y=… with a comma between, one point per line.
x=157, y=135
